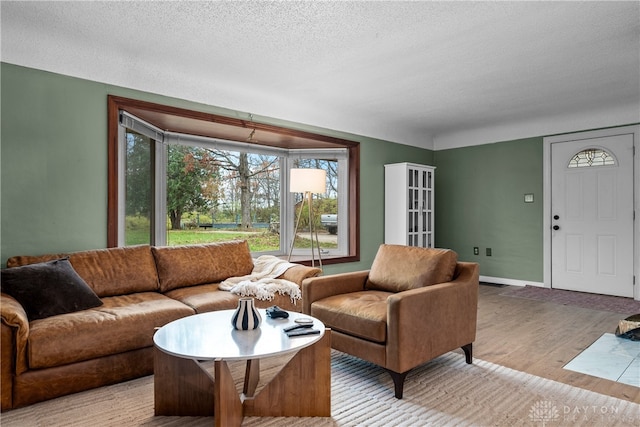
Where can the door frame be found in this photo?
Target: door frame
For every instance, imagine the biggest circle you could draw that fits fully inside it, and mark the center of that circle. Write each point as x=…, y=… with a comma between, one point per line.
x=546, y=171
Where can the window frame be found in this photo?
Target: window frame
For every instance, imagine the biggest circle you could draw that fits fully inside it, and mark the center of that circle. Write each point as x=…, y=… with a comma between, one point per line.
x=343, y=199
x=174, y=119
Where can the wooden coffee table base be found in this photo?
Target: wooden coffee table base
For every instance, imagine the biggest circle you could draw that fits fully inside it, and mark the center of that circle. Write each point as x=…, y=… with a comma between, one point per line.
x=301, y=389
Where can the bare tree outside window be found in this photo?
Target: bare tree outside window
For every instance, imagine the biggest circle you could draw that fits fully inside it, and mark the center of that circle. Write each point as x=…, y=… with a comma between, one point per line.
x=254, y=180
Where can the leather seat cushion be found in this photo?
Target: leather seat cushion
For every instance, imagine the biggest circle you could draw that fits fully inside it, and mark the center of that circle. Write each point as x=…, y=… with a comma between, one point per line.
x=205, y=298
x=122, y=323
x=362, y=314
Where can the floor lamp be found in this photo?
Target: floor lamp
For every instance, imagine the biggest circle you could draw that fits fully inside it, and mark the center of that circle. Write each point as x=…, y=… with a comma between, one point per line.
x=308, y=181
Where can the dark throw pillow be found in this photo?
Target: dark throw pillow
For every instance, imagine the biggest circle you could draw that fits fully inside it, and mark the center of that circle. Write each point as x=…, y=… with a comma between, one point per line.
x=48, y=288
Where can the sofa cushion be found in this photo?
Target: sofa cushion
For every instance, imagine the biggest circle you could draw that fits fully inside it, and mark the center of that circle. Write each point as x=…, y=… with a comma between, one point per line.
x=109, y=272
x=398, y=268
x=362, y=314
x=205, y=298
x=180, y=266
x=121, y=324
x=48, y=288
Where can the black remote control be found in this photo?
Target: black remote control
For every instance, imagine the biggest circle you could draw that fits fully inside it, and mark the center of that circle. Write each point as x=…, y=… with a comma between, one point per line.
x=294, y=327
x=301, y=332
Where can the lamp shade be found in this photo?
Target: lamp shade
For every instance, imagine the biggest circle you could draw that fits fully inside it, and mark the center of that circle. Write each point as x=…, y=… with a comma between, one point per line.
x=311, y=180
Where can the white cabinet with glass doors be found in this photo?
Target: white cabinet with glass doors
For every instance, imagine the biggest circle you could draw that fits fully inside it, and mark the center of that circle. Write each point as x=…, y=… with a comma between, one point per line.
x=409, y=204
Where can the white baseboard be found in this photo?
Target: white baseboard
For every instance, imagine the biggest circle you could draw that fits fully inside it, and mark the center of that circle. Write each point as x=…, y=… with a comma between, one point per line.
x=512, y=282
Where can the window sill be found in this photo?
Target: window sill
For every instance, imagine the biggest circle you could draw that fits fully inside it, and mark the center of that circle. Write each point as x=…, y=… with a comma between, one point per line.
x=305, y=260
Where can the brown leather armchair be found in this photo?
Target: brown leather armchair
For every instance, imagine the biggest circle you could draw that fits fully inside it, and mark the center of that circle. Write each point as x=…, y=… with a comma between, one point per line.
x=413, y=305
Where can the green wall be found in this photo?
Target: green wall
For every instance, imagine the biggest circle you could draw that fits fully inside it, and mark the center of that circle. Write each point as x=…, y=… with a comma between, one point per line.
x=54, y=179
x=480, y=202
x=54, y=164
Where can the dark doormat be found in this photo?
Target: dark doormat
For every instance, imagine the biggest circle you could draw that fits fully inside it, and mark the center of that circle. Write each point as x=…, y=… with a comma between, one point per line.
x=614, y=304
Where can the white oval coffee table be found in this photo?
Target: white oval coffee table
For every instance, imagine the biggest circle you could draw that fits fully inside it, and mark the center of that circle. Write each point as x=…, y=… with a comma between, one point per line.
x=183, y=387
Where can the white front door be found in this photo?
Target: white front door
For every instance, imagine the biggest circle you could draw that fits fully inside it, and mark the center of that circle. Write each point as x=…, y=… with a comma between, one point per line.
x=592, y=215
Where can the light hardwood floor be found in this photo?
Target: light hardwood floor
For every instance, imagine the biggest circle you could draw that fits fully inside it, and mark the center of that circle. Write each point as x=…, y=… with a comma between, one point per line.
x=541, y=337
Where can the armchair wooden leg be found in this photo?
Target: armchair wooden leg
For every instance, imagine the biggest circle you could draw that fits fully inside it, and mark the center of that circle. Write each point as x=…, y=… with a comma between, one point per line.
x=468, y=352
x=398, y=382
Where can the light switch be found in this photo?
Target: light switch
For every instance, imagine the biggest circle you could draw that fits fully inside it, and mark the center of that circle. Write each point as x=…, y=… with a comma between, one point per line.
x=528, y=198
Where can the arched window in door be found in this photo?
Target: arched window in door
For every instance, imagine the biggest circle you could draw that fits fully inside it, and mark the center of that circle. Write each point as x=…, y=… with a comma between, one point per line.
x=592, y=157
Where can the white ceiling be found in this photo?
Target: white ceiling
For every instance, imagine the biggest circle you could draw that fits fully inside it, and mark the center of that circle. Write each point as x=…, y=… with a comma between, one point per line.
x=408, y=72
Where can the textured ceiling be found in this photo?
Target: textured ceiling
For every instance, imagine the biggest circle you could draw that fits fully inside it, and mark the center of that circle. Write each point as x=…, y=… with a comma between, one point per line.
x=402, y=71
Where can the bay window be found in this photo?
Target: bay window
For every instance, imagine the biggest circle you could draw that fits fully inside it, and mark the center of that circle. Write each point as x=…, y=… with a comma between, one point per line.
x=176, y=178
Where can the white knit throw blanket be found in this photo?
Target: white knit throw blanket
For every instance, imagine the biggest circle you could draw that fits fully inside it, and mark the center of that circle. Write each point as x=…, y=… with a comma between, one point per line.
x=262, y=283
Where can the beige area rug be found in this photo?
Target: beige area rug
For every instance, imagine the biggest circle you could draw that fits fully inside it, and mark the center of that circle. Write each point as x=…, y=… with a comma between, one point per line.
x=443, y=392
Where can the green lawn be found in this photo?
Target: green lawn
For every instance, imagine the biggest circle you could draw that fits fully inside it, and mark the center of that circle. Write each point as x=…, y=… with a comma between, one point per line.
x=259, y=241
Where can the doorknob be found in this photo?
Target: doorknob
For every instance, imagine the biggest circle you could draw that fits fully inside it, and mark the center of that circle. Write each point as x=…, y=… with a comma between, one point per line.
x=556, y=227
x=556, y=217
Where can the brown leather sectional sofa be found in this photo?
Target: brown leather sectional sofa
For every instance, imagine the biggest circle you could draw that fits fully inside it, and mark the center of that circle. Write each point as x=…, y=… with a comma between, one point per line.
x=141, y=288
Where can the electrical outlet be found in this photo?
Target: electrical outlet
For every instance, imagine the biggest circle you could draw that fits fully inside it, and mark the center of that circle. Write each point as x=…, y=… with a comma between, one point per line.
x=476, y=250
x=488, y=251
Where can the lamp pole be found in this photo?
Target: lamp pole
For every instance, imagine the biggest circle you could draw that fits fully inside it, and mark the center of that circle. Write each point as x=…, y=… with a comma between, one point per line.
x=295, y=230
x=313, y=229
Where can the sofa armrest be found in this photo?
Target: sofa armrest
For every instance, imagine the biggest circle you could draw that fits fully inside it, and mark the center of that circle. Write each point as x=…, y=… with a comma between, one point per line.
x=317, y=288
x=298, y=273
x=7, y=368
x=15, y=322
x=426, y=322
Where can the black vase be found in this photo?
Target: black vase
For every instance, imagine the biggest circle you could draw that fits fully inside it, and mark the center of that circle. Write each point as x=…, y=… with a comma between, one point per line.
x=246, y=317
